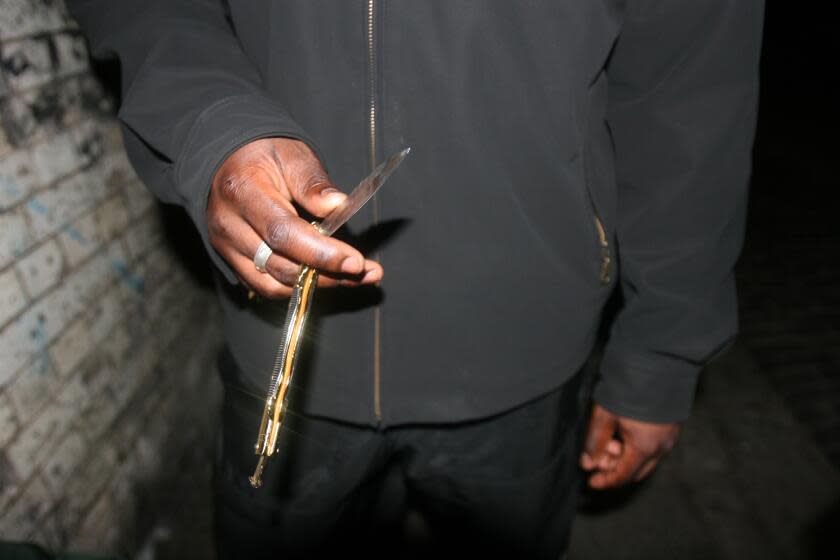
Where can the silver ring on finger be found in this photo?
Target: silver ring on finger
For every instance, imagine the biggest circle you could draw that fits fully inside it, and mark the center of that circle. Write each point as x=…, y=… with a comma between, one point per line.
x=261, y=256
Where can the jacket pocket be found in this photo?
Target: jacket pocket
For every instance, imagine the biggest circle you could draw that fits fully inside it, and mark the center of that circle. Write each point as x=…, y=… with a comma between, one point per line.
x=593, y=117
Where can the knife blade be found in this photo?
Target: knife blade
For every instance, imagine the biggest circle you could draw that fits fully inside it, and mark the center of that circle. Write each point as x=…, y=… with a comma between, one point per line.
x=361, y=194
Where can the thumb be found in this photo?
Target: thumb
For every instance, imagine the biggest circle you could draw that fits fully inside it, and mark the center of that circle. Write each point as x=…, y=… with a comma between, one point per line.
x=305, y=177
x=318, y=195
x=602, y=426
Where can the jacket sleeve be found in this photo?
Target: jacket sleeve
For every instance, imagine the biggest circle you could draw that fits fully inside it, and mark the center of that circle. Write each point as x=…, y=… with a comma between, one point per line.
x=683, y=81
x=190, y=94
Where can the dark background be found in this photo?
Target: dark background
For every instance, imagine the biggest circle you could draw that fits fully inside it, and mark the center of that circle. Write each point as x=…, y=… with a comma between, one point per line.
x=789, y=273
x=757, y=471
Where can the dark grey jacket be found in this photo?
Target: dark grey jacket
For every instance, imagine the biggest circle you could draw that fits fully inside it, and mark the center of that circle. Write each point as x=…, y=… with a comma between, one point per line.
x=560, y=148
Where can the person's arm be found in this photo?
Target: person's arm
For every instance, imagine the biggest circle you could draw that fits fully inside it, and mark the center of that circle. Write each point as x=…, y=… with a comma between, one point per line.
x=191, y=98
x=683, y=91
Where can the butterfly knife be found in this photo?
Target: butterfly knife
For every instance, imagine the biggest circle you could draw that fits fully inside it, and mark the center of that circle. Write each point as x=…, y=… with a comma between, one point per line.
x=299, y=305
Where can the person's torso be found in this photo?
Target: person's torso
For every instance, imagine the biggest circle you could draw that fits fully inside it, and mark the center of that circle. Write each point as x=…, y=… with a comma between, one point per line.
x=496, y=264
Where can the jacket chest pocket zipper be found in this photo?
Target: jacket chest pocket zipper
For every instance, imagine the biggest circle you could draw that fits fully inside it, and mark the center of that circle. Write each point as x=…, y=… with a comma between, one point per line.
x=605, y=273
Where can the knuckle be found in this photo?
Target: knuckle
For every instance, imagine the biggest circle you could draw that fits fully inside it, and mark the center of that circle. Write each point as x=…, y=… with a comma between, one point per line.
x=284, y=275
x=325, y=257
x=313, y=181
x=279, y=233
x=231, y=186
x=218, y=224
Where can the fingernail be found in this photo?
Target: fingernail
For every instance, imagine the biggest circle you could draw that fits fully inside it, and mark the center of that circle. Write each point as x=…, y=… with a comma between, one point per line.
x=352, y=265
x=373, y=275
x=332, y=193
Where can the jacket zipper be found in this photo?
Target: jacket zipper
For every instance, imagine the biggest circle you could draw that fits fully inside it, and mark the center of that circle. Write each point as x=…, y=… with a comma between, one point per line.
x=377, y=314
x=606, y=256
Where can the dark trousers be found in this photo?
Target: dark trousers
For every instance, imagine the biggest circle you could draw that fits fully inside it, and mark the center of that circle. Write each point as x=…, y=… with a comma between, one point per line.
x=498, y=486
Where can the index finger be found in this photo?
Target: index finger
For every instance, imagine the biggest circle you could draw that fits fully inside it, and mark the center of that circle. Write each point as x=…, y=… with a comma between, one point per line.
x=598, y=434
x=275, y=220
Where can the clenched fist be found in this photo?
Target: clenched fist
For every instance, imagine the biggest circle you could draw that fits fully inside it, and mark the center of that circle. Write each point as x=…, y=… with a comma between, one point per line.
x=619, y=450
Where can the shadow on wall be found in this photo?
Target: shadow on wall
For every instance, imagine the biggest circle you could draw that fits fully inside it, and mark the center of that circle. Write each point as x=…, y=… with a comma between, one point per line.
x=182, y=237
x=179, y=232
x=105, y=334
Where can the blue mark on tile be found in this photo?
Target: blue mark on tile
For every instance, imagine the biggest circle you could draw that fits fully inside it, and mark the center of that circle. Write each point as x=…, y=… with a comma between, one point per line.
x=76, y=235
x=37, y=206
x=39, y=335
x=9, y=186
x=135, y=282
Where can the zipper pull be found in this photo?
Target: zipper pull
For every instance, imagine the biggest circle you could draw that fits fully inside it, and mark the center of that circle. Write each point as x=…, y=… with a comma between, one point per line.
x=606, y=255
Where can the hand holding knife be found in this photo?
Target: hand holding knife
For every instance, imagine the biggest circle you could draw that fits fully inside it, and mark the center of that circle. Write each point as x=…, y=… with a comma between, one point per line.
x=298, y=311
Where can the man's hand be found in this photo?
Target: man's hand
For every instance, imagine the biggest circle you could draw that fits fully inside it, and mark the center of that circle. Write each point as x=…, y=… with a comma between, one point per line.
x=253, y=198
x=619, y=450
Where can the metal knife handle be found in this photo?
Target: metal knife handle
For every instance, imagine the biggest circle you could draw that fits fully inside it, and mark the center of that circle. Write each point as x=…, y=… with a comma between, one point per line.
x=299, y=304
x=284, y=368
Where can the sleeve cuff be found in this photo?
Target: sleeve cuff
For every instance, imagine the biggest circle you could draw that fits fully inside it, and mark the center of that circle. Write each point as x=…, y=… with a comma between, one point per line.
x=657, y=389
x=219, y=131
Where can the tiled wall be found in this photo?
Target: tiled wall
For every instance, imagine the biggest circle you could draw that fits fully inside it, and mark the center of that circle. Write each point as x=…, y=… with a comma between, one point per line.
x=104, y=336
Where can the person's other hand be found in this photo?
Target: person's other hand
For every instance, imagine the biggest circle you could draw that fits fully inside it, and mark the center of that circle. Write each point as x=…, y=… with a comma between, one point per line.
x=253, y=198
x=619, y=450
